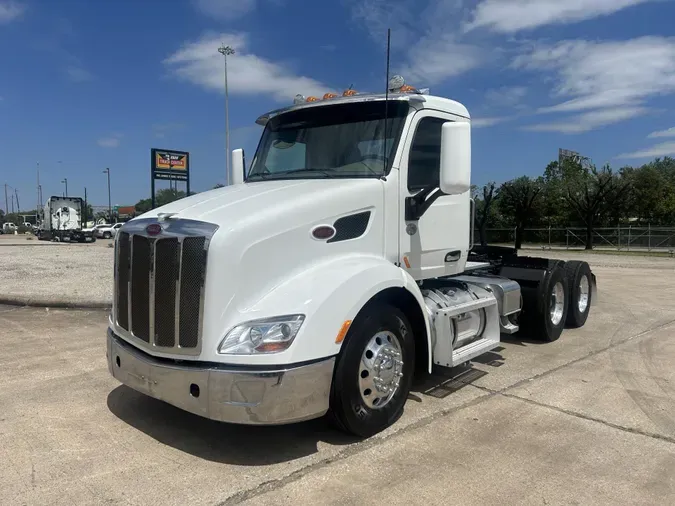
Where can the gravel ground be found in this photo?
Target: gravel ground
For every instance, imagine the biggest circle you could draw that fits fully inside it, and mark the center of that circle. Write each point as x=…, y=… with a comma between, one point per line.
x=45, y=273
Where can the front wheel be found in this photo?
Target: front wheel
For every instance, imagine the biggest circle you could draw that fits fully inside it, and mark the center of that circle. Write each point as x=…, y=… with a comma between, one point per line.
x=373, y=372
x=107, y=235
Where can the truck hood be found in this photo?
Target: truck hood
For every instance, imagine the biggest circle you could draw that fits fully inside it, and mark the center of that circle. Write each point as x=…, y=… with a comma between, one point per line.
x=231, y=206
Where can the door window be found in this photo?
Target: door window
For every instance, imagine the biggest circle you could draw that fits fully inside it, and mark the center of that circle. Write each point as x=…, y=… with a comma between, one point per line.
x=424, y=162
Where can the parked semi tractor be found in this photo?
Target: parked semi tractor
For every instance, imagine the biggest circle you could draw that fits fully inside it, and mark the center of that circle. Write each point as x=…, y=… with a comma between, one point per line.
x=334, y=269
x=62, y=220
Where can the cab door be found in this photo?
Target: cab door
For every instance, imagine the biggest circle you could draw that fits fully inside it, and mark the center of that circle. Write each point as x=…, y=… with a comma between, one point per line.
x=438, y=243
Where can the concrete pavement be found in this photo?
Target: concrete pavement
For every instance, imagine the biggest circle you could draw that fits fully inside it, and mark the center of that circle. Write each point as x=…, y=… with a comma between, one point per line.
x=589, y=419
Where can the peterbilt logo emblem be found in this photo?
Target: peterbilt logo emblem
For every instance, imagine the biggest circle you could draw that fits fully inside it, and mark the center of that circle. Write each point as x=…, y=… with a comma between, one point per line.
x=153, y=229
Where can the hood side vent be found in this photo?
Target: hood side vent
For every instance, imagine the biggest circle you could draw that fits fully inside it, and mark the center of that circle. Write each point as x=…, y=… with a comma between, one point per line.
x=350, y=227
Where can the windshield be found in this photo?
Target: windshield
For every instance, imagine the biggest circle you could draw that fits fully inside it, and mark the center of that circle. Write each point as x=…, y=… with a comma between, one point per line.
x=337, y=141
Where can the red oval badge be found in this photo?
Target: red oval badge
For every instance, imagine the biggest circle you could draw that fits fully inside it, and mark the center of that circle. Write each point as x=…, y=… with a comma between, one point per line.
x=323, y=232
x=153, y=229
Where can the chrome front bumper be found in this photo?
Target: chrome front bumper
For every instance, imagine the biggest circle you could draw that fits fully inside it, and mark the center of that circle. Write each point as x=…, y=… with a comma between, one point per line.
x=260, y=397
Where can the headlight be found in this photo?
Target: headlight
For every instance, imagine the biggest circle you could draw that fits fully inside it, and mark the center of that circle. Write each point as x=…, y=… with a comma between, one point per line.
x=269, y=335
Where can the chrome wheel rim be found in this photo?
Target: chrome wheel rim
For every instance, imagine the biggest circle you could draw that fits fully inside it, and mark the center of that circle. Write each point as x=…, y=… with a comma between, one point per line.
x=381, y=370
x=557, y=303
x=582, y=302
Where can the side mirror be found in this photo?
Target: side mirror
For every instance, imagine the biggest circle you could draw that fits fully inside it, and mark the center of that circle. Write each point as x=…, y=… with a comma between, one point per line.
x=238, y=167
x=455, y=177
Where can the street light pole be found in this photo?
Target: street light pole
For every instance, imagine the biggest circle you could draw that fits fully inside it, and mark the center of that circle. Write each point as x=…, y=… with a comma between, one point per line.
x=225, y=51
x=65, y=181
x=107, y=171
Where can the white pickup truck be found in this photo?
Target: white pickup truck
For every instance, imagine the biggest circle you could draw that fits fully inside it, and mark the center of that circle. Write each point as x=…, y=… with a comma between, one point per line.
x=323, y=279
x=107, y=231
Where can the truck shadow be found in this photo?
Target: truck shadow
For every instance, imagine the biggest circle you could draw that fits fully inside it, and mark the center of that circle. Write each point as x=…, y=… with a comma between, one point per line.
x=221, y=442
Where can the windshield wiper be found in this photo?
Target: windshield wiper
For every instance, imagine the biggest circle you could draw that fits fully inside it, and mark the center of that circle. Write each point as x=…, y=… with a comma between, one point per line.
x=297, y=171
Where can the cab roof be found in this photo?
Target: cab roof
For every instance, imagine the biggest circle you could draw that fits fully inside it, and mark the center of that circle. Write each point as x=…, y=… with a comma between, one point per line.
x=419, y=100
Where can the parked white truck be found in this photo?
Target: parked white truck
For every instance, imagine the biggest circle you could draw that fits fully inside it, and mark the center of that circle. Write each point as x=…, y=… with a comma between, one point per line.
x=62, y=220
x=322, y=280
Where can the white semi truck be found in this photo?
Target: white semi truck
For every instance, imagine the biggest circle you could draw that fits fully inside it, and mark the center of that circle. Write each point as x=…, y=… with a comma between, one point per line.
x=323, y=279
x=62, y=220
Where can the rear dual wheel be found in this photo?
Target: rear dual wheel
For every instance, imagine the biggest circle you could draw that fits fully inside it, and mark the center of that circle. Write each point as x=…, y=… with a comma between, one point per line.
x=545, y=306
x=579, y=279
x=373, y=372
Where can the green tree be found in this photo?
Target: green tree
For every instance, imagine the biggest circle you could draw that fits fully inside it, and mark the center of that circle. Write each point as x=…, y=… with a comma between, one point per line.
x=652, y=192
x=485, y=211
x=593, y=194
x=162, y=197
x=519, y=200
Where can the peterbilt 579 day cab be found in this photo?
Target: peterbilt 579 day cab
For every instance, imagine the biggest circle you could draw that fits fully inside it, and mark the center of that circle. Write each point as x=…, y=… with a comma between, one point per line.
x=324, y=278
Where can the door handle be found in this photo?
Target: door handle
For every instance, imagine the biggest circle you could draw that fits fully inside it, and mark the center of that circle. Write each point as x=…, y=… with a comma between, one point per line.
x=453, y=256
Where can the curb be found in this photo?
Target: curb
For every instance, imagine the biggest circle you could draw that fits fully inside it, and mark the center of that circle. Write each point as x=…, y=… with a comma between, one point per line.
x=27, y=301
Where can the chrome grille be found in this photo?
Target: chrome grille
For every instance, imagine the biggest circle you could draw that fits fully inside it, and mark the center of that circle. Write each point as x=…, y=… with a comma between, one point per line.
x=159, y=283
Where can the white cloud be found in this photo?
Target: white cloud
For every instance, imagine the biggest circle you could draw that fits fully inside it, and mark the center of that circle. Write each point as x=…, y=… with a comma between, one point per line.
x=427, y=48
x=506, y=96
x=111, y=141
x=509, y=16
x=670, y=132
x=612, y=74
x=160, y=130
x=200, y=63
x=225, y=9
x=10, y=10
x=659, y=150
x=589, y=120
x=78, y=74
x=487, y=122
x=435, y=59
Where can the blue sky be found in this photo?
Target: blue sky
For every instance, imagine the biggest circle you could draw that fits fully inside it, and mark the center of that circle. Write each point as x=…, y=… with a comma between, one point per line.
x=92, y=84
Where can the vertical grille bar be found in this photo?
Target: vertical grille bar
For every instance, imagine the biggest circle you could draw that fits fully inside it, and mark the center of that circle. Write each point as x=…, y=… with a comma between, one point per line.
x=131, y=266
x=177, y=288
x=140, y=287
x=151, y=293
x=167, y=265
x=193, y=265
x=122, y=288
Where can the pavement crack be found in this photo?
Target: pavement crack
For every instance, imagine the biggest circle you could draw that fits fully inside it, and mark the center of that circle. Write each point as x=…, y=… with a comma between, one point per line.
x=585, y=357
x=355, y=449
x=271, y=485
x=589, y=418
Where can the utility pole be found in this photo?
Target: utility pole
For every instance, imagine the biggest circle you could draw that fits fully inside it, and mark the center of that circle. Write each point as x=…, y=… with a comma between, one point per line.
x=225, y=51
x=12, y=203
x=18, y=208
x=6, y=206
x=38, y=189
x=107, y=171
x=65, y=180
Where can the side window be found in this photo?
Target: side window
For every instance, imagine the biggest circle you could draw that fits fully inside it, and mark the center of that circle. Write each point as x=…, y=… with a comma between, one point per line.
x=284, y=156
x=425, y=154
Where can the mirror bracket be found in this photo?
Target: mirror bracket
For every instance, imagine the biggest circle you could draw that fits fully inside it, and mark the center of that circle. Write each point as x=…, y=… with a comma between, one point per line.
x=417, y=205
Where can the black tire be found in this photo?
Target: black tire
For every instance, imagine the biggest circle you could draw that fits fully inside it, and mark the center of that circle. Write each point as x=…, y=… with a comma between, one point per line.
x=348, y=410
x=576, y=271
x=537, y=301
x=107, y=235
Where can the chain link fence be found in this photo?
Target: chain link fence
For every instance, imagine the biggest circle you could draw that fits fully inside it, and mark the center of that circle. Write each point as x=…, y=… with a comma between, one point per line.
x=617, y=238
